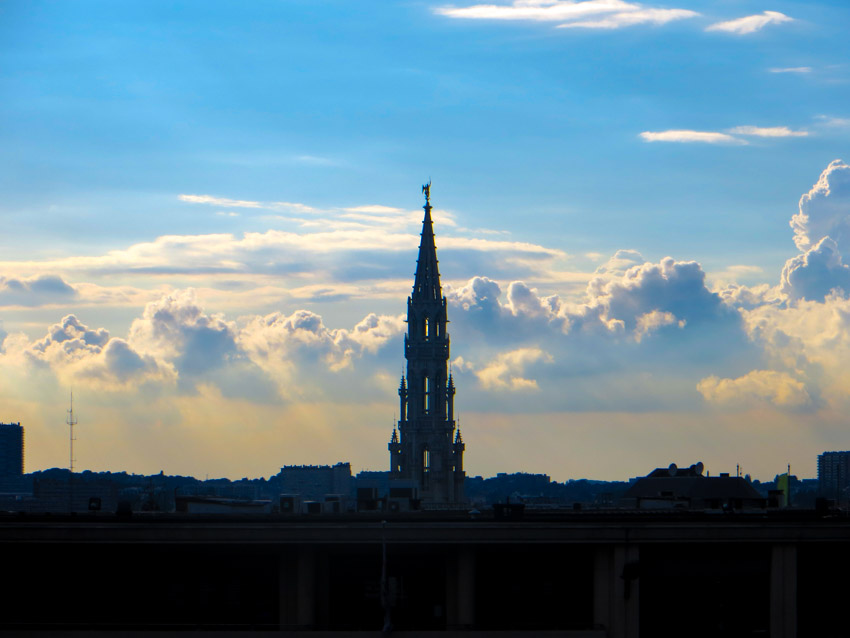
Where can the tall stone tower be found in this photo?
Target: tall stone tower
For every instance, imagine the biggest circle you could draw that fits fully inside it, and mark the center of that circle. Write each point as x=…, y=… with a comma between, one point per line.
x=426, y=449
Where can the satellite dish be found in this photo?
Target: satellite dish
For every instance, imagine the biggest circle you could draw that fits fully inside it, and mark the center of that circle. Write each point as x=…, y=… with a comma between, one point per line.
x=672, y=469
x=699, y=467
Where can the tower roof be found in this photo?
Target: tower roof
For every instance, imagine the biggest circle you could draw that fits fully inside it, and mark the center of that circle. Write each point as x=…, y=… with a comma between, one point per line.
x=426, y=284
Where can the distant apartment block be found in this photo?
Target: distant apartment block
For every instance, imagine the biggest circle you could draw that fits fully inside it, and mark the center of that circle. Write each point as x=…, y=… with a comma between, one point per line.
x=314, y=482
x=11, y=449
x=834, y=475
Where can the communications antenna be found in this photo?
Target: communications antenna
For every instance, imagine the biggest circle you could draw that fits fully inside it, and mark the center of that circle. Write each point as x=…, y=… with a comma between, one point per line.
x=71, y=421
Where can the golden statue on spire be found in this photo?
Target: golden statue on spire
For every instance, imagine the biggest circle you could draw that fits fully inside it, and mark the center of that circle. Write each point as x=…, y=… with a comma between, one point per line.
x=427, y=190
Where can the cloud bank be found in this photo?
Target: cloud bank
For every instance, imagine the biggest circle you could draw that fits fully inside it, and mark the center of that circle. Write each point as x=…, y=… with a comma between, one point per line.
x=641, y=337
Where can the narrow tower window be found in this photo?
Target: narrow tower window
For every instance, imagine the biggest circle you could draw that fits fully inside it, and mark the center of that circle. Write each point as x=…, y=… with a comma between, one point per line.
x=427, y=394
x=427, y=327
x=426, y=460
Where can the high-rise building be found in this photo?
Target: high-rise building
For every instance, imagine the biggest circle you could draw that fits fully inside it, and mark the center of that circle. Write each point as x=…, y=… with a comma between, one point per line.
x=11, y=449
x=834, y=475
x=426, y=449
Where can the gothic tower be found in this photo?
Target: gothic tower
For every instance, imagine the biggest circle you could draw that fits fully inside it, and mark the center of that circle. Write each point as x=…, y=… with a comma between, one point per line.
x=426, y=449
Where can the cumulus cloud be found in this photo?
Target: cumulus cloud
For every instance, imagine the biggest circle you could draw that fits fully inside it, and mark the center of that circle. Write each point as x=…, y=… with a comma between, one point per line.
x=78, y=353
x=175, y=343
x=653, y=321
x=176, y=329
x=810, y=338
x=756, y=387
x=816, y=273
x=677, y=287
x=627, y=296
x=506, y=370
x=620, y=262
x=750, y=24
x=593, y=14
x=820, y=229
x=277, y=341
x=825, y=209
x=749, y=297
x=35, y=291
x=686, y=136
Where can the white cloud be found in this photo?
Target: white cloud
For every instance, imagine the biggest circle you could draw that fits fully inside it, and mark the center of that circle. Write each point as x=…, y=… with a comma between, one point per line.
x=340, y=255
x=750, y=24
x=810, y=339
x=219, y=201
x=653, y=321
x=816, y=273
x=825, y=209
x=593, y=14
x=685, y=136
x=241, y=203
x=791, y=69
x=770, y=131
x=631, y=18
x=83, y=355
x=543, y=10
x=506, y=370
x=620, y=262
x=276, y=342
x=756, y=387
x=41, y=290
x=376, y=209
x=833, y=122
x=749, y=297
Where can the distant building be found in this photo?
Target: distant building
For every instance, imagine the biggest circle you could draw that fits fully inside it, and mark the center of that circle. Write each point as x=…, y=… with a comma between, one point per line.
x=11, y=450
x=426, y=451
x=834, y=475
x=687, y=488
x=217, y=505
x=314, y=482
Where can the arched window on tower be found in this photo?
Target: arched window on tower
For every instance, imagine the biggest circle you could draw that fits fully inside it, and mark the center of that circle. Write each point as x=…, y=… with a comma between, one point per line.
x=427, y=328
x=427, y=388
x=426, y=460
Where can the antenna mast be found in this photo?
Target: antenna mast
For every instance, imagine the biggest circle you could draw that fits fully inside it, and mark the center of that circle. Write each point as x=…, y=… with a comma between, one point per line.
x=72, y=421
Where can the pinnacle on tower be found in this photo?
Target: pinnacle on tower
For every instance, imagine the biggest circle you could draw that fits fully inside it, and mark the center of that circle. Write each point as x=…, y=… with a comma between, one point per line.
x=426, y=284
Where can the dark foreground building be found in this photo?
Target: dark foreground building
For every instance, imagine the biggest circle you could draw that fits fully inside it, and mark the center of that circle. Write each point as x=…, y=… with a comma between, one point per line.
x=583, y=574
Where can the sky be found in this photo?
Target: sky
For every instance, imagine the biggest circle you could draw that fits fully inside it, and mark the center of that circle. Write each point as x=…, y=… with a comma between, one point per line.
x=210, y=218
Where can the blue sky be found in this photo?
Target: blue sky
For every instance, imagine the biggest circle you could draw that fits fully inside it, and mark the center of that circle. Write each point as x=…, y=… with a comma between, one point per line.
x=211, y=215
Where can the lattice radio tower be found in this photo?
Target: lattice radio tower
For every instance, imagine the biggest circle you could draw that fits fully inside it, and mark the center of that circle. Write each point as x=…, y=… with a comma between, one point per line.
x=72, y=421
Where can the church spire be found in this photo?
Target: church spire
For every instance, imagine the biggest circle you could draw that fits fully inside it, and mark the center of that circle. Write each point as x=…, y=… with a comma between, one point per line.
x=426, y=284
x=424, y=452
